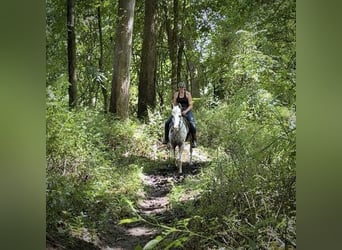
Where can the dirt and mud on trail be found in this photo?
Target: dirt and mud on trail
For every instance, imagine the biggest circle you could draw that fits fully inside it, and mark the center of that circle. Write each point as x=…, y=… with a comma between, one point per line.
x=158, y=183
x=155, y=203
x=153, y=206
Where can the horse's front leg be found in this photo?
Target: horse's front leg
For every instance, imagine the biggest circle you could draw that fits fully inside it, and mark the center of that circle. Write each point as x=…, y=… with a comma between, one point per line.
x=171, y=154
x=181, y=148
x=174, y=155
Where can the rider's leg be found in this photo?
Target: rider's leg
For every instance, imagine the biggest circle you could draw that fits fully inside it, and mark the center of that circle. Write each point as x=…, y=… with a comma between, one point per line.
x=166, y=131
x=192, y=122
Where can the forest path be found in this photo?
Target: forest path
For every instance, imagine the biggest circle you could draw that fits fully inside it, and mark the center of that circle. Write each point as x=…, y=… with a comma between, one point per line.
x=154, y=205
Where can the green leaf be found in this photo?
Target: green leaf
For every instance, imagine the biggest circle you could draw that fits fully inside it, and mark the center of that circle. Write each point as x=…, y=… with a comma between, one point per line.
x=129, y=220
x=152, y=243
x=177, y=243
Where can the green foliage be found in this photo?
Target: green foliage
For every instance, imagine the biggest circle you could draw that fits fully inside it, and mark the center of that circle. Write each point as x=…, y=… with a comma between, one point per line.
x=89, y=176
x=246, y=197
x=254, y=46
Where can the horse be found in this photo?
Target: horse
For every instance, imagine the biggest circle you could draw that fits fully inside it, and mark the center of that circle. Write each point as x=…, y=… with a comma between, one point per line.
x=178, y=133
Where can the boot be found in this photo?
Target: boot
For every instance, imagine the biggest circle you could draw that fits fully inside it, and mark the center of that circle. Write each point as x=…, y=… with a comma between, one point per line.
x=194, y=140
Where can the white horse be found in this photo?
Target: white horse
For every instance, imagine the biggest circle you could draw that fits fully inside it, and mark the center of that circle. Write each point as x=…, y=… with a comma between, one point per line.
x=178, y=132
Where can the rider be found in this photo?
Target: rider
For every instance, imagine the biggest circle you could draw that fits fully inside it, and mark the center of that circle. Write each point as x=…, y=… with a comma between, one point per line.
x=184, y=98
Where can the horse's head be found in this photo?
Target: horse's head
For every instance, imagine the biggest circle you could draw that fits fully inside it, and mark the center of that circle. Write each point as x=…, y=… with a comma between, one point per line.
x=176, y=117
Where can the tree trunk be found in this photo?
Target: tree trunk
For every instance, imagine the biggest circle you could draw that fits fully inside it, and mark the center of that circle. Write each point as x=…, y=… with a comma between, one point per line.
x=179, y=59
x=102, y=81
x=180, y=42
x=195, y=88
x=72, y=89
x=192, y=69
x=147, y=89
x=172, y=35
x=119, y=101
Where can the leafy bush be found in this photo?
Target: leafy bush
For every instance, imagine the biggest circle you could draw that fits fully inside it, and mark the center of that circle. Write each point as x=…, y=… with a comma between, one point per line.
x=88, y=180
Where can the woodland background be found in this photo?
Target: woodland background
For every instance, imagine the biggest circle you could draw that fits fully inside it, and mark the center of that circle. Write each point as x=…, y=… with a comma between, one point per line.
x=110, y=77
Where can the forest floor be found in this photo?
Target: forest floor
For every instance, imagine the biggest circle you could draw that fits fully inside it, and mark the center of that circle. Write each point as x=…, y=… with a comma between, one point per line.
x=154, y=206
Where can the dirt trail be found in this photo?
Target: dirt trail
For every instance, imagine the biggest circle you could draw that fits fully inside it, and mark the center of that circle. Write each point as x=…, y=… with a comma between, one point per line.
x=154, y=203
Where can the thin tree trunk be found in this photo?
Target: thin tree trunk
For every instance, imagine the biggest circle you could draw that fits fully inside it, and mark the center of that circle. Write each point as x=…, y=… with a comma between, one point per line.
x=119, y=101
x=195, y=88
x=172, y=35
x=102, y=81
x=181, y=44
x=147, y=89
x=179, y=59
x=72, y=89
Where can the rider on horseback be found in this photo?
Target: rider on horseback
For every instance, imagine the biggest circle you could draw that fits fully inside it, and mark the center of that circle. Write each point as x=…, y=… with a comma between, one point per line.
x=184, y=98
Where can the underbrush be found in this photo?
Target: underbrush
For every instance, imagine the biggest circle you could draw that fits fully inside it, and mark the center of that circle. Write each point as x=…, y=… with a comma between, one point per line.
x=245, y=198
x=94, y=164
